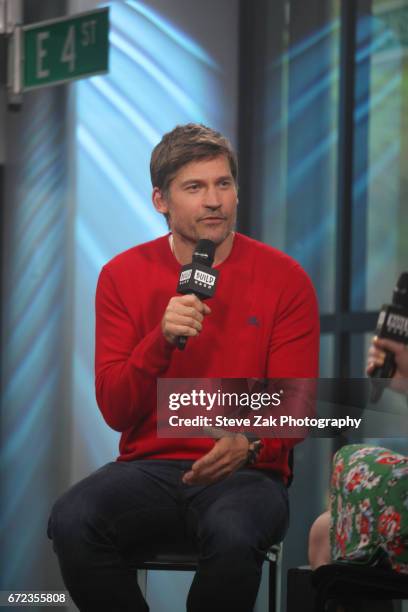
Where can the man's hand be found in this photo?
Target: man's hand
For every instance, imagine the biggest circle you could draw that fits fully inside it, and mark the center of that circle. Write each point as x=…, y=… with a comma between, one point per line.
x=376, y=356
x=229, y=453
x=183, y=317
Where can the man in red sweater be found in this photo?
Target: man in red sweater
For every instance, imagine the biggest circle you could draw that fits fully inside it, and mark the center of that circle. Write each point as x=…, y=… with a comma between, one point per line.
x=262, y=323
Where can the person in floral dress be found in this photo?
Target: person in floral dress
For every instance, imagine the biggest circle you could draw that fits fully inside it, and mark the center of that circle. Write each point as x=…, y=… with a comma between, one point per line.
x=369, y=506
x=367, y=521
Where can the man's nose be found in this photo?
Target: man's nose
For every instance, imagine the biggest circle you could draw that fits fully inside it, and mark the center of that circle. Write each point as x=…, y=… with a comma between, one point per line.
x=212, y=204
x=212, y=199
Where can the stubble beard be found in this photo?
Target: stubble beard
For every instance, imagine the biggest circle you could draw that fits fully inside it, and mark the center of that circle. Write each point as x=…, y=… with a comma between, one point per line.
x=196, y=233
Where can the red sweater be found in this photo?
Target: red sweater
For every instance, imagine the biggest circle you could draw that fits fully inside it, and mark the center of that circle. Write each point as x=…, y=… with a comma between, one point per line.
x=257, y=284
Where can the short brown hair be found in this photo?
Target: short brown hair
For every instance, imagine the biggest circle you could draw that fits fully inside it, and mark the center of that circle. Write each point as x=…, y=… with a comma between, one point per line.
x=184, y=144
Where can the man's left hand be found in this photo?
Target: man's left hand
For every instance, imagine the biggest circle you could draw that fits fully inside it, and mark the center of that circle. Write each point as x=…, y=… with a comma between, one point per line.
x=229, y=453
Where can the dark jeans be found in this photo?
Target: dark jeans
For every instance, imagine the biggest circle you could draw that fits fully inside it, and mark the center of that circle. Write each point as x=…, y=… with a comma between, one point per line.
x=129, y=509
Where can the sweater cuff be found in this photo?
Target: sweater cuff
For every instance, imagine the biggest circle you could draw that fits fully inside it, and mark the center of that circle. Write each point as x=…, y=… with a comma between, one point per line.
x=153, y=353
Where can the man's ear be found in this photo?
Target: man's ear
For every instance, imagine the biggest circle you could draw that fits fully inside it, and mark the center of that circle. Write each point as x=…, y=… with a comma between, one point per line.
x=159, y=201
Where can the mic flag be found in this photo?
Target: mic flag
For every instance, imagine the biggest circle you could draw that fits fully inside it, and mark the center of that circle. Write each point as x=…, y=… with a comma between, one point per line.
x=392, y=324
x=198, y=277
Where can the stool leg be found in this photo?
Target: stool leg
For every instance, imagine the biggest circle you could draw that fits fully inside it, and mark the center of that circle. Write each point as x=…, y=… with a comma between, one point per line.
x=272, y=587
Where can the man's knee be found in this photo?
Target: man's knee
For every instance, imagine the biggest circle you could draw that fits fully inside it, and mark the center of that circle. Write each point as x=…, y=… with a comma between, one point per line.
x=230, y=539
x=64, y=524
x=78, y=517
x=83, y=509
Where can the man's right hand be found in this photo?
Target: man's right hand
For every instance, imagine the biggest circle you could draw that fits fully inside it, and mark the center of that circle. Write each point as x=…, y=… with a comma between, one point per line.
x=183, y=317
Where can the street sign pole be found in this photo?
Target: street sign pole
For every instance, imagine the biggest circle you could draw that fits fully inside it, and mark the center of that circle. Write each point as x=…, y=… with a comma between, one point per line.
x=14, y=65
x=11, y=12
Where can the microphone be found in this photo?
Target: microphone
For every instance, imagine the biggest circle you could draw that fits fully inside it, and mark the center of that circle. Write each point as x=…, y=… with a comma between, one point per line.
x=198, y=277
x=392, y=324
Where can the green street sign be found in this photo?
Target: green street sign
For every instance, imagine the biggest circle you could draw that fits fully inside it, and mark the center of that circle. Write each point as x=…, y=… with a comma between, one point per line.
x=61, y=50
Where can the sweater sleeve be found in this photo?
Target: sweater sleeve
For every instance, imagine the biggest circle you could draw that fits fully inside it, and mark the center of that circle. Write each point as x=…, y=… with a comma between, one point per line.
x=126, y=364
x=294, y=346
x=294, y=343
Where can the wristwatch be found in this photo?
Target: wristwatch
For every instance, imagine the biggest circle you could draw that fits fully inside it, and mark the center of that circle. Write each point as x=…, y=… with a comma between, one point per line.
x=254, y=448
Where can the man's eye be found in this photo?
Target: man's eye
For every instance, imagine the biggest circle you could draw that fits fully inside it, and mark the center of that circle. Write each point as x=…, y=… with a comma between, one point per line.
x=193, y=187
x=226, y=183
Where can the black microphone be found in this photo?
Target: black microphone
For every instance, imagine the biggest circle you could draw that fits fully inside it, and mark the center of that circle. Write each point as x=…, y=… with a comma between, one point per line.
x=392, y=324
x=198, y=277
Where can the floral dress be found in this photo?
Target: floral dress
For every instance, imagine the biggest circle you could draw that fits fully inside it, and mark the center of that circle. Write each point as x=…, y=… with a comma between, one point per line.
x=369, y=506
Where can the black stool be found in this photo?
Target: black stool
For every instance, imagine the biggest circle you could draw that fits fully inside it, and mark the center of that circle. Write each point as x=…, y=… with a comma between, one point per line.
x=310, y=591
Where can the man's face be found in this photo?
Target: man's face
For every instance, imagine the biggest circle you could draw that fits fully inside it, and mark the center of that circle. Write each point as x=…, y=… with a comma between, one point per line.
x=202, y=201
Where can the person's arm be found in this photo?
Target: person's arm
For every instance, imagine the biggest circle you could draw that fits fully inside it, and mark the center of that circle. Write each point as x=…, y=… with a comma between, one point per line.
x=294, y=348
x=376, y=356
x=127, y=364
x=294, y=353
x=294, y=342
